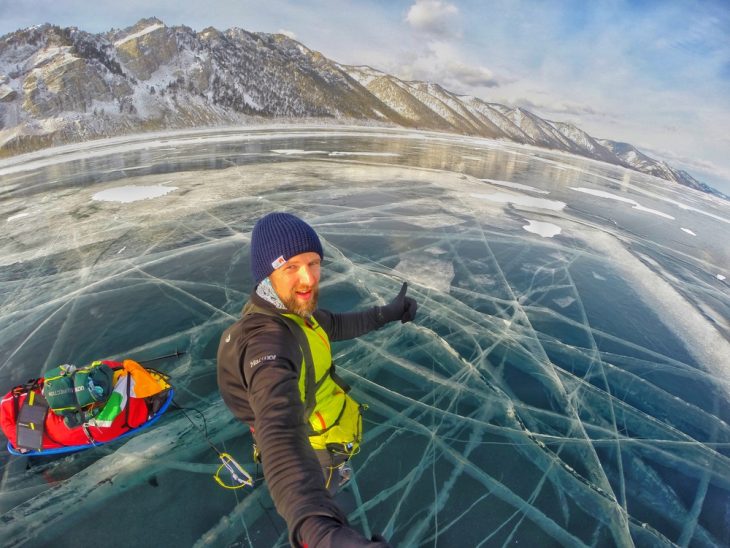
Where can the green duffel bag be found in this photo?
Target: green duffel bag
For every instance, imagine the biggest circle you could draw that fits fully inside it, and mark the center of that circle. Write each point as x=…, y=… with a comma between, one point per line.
x=77, y=393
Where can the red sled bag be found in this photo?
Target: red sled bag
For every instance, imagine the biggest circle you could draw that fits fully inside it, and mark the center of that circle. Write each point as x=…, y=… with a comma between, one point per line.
x=30, y=426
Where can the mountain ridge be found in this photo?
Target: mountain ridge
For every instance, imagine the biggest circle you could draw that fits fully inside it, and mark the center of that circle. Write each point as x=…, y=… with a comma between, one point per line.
x=61, y=85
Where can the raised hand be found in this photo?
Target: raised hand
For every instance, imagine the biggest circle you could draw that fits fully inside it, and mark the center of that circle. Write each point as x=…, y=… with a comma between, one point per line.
x=401, y=308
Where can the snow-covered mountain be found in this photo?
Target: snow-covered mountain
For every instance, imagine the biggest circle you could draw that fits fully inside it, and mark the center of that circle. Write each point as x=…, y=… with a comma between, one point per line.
x=59, y=85
x=639, y=161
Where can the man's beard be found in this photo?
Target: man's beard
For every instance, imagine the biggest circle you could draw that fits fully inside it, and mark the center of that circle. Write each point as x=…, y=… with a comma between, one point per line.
x=304, y=309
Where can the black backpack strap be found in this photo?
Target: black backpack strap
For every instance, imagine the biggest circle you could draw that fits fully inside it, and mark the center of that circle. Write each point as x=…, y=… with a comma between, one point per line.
x=129, y=402
x=310, y=384
x=339, y=381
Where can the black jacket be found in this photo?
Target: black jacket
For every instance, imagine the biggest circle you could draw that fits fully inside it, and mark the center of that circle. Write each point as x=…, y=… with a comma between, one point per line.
x=259, y=363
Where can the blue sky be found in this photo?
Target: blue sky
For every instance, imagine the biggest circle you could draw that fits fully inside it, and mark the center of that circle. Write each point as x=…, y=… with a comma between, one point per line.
x=652, y=73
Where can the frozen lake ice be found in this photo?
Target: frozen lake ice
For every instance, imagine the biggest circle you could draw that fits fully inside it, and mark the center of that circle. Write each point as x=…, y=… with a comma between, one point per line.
x=566, y=383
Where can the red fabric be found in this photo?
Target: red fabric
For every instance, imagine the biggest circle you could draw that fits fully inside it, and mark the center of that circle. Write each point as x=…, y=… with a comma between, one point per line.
x=56, y=430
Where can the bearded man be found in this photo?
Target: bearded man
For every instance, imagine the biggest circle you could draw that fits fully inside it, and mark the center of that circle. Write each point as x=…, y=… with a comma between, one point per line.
x=275, y=373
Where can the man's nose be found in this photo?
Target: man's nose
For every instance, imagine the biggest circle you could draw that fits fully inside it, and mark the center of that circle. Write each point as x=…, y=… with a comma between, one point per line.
x=305, y=276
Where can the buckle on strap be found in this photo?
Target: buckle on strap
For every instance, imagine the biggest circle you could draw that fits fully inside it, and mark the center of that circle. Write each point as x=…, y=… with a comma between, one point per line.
x=91, y=439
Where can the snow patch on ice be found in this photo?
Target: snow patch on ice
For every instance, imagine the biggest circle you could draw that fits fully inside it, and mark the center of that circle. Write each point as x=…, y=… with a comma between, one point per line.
x=636, y=205
x=519, y=199
x=546, y=230
x=564, y=302
x=517, y=186
x=127, y=194
x=720, y=277
x=652, y=211
x=291, y=151
x=391, y=154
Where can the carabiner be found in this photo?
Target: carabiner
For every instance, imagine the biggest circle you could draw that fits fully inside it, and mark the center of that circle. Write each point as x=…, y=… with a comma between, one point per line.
x=236, y=471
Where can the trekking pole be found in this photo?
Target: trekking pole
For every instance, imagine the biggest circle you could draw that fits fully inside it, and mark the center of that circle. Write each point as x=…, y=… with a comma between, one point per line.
x=177, y=354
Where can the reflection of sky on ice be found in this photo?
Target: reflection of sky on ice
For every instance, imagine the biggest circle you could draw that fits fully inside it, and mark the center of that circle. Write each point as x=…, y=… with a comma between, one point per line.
x=566, y=382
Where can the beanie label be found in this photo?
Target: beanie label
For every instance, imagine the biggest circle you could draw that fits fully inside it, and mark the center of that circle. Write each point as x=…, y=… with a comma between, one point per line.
x=278, y=262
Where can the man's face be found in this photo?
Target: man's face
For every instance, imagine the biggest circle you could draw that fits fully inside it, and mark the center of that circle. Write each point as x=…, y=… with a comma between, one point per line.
x=296, y=283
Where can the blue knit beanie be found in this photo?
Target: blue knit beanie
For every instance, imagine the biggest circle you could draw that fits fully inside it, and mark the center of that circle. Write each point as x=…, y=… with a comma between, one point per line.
x=276, y=238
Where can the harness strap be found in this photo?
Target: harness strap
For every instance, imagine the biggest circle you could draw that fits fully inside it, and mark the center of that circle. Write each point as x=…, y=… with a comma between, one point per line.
x=310, y=385
x=339, y=381
x=334, y=422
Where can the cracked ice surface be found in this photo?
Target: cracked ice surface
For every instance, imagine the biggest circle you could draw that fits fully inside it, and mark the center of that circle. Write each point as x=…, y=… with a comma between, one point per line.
x=564, y=385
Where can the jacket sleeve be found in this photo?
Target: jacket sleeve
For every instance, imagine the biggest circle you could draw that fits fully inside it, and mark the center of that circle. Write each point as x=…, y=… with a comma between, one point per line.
x=343, y=326
x=293, y=473
x=324, y=532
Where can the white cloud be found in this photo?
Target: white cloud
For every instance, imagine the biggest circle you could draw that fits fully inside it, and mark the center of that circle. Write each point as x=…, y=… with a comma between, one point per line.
x=434, y=17
x=471, y=76
x=445, y=64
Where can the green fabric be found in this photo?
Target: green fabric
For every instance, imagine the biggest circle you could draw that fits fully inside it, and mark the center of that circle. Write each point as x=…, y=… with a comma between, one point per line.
x=111, y=409
x=319, y=346
x=69, y=389
x=335, y=417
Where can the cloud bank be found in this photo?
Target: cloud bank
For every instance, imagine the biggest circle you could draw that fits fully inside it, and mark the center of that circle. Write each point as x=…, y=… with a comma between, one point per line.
x=434, y=17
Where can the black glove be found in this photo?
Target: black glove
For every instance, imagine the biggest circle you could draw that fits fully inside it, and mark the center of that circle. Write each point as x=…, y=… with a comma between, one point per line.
x=401, y=308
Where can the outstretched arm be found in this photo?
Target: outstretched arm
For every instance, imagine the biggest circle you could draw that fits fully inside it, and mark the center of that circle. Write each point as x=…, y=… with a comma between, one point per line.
x=349, y=325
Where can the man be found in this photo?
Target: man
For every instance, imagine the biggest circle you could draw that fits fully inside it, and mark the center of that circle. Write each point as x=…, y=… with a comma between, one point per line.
x=275, y=374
